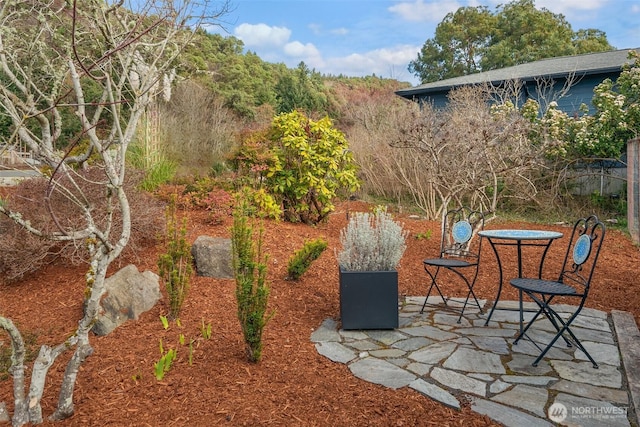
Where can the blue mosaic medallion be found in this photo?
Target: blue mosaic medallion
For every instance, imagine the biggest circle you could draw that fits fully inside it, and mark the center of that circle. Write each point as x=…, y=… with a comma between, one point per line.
x=581, y=249
x=461, y=231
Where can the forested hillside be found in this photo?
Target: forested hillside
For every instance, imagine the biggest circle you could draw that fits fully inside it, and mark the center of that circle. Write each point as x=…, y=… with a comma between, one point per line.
x=247, y=84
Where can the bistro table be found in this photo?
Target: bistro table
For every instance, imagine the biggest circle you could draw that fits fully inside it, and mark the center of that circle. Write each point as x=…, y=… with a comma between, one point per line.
x=517, y=238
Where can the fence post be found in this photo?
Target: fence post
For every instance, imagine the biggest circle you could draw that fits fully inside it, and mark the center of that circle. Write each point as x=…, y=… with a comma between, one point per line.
x=633, y=189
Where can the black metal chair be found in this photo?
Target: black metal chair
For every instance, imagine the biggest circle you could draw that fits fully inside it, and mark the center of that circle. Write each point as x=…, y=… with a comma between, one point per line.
x=459, y=253
x=573, y=282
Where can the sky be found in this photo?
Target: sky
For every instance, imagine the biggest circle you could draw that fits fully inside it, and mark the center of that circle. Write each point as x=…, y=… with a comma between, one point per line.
x=365, y=37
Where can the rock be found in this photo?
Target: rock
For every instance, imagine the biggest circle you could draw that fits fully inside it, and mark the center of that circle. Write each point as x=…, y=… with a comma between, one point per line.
x=128, y=293
x=213, y=258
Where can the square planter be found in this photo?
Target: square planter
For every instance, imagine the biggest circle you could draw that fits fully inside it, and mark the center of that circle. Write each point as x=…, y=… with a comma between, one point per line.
x=369, y=299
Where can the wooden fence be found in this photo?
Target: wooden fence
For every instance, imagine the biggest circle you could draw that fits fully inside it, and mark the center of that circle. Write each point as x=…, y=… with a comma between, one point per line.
x=633, y=189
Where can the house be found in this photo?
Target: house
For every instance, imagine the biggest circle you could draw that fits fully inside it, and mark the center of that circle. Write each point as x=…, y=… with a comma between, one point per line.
x=582, y=73
x=546, y=78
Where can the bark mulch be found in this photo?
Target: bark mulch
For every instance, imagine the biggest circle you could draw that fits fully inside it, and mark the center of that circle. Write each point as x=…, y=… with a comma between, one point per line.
x=293, y=384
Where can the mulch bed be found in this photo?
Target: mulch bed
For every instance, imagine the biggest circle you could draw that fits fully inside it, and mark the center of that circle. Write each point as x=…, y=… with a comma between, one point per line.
x=293, y=384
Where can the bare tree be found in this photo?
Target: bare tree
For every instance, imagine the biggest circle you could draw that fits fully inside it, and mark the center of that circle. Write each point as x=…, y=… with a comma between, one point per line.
x=75, y=78
x=466, y=154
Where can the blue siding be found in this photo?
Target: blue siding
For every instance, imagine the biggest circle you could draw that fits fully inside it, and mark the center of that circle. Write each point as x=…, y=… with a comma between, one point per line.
x=439, y=100
x=581, y=92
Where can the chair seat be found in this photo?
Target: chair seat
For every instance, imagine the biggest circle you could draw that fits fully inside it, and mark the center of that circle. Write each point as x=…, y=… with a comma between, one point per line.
x=574, y=281
x=548, y=287
x=448, y=262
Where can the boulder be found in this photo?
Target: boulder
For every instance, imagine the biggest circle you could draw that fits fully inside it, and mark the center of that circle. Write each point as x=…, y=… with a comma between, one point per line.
x=213, y=257
x=128, y=293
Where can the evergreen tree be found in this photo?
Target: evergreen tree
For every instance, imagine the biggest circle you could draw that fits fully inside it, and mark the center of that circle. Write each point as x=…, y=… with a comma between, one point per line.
x=473, y=39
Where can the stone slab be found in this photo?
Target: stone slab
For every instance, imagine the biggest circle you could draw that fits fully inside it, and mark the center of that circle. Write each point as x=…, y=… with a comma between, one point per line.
x=459, y=381
x=381, y=372
x=507, y=416
x=335, y=351
x=469, y=360
x=326, y=332
x=435, y=392
x=592, y=392
x=433, y=353
x=584, y=372
x=628, y=336
x=529, y=398
x=446, y=361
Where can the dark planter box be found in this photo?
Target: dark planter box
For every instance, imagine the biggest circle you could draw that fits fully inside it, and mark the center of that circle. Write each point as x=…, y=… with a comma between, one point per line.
x=369, y=299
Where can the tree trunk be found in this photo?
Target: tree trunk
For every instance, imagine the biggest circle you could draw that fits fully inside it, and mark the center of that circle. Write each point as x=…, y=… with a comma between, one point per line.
x=95, y=280
x=43, y=362
x=20, y=413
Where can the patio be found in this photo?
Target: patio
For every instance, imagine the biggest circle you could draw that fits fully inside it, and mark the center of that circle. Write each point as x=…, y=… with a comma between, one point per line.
x=456, y=363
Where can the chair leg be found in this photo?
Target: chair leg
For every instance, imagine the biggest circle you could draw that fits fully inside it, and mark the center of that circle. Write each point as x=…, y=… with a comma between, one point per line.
x=556, y=320
x=433, y=283
x=469, y=284
x=565, y=328
x=550, y=314
x=470, y=293
x=523, y=331
x=544, y=308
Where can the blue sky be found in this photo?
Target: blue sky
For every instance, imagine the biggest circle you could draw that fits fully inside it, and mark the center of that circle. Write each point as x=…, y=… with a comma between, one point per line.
x=362, y=37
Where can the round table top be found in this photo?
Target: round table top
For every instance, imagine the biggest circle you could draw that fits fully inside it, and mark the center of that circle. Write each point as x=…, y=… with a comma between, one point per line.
x=520, y=234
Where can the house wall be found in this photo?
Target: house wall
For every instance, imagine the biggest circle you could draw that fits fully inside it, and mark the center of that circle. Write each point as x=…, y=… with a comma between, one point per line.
x=580, y=92
x=439, y=100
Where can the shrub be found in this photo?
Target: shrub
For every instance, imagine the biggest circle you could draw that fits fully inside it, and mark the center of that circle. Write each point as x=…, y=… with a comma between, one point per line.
x=175, y=266
x=22, y=253
x=301, y=260
x=219, y=205
x=250, y=270
x=371, y=242
x=301, y=162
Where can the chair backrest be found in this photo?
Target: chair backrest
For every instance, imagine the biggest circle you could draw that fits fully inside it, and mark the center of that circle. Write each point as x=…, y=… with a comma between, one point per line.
x=582, y=253
x=459, y=226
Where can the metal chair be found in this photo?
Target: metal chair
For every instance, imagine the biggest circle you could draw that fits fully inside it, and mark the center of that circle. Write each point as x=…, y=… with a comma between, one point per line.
x=459, y=253
x=573, y=282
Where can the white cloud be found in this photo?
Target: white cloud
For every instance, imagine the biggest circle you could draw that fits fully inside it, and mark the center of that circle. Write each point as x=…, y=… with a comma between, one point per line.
x=262, y=35
x=387, y=62
x=315, y=28
x=567, y=7
x=435, y=11
x=421, y=11
x=318, y=30
x=304, y=52
x=297, y=49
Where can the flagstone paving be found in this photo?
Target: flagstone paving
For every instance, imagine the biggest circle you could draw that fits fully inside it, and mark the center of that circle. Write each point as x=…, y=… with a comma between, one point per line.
x=449, y=361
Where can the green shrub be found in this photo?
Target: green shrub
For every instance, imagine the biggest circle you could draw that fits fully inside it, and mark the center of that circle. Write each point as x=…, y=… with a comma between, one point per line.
x=301, y=162
x=175, y=266
x=301, y=260
x=250, y=270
